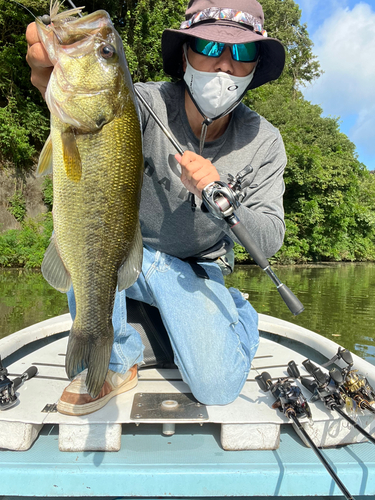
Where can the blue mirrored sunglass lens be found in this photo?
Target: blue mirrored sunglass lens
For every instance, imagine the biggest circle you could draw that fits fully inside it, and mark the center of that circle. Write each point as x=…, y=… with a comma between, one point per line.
x=242, y=52
x=245, y=52
x=207, y=48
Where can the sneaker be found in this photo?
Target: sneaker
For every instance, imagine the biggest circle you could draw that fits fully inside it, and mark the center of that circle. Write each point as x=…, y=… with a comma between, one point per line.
x=76, y=401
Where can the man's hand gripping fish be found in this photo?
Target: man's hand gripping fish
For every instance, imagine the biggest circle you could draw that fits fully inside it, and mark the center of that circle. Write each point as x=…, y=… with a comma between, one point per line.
x=95, y=151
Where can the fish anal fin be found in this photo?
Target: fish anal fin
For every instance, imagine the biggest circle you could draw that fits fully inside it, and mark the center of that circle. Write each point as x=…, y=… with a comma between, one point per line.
x=71, y=156
x=132, y=266
x=54, y=270
x=45, y=165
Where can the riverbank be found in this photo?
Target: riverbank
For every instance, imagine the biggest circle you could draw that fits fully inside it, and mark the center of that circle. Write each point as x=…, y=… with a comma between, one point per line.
x=25, y=245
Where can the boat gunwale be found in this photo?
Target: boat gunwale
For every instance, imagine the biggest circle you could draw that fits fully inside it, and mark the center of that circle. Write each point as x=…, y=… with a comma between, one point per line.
x=326, y=347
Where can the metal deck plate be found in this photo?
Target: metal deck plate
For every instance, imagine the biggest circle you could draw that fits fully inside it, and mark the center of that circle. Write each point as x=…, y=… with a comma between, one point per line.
x=167, y=406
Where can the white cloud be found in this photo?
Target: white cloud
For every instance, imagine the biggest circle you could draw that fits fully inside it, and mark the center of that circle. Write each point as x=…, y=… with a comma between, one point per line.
x=364, y=130
x=345, y=46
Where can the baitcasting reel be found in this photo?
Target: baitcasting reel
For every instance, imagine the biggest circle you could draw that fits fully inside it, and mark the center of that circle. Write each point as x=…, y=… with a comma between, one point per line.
x=289, y=397
x=328, y=388
x=355, y=385
x=8, y=397
x=325, y=387
x=222, y=199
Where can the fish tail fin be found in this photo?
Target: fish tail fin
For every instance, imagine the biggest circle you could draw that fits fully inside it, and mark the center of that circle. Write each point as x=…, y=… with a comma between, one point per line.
x=82, y=354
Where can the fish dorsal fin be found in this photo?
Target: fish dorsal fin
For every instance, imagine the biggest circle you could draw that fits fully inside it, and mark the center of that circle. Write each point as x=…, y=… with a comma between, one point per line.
x=54, y=270
x=45, y=165
x=71, y=156
x=132, y=266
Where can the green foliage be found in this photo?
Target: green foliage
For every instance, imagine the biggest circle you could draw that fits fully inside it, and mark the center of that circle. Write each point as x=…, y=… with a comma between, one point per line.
x=23, y=117
x=330, y=196
x=328, y=216
x=47, y=192
x=240, y=255
x=26, y=247
x=145, y=21
x=18, y=206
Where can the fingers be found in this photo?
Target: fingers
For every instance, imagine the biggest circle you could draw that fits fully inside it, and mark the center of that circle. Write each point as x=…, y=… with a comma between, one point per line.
x=196, y=172
x=32, y=35
x=38, y=60
x=40, y=79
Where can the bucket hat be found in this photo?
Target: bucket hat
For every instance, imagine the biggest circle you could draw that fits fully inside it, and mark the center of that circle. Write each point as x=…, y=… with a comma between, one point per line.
x=225, y=21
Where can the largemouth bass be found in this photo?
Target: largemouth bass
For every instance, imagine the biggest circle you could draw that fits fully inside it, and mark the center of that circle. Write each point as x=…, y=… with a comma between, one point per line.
x=95, y=151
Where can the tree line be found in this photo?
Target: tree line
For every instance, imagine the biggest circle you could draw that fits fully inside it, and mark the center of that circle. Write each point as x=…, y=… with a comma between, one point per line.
x=330, y=196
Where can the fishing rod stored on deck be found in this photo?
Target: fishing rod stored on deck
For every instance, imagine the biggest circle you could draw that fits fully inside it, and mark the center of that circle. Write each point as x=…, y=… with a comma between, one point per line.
x=326, y=387
x=8, y=387
x=354, y=385
x=221, y=200
x=291, y=401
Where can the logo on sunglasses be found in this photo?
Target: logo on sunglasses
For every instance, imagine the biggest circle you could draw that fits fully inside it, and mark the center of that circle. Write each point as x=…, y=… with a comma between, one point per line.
x=232, y=88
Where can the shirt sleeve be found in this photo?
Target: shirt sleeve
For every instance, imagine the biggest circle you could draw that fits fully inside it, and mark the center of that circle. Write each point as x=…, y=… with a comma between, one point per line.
x=261, y=210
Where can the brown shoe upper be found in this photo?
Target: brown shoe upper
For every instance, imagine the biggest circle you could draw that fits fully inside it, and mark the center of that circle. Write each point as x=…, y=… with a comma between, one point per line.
x=76, y=392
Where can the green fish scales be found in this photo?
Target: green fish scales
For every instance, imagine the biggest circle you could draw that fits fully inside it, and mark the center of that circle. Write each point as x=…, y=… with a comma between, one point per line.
x=96, y=150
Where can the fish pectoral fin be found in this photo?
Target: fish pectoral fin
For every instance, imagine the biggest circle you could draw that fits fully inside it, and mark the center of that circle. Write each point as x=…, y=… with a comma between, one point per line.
x=54, y=270
x=72, y=158
x=132, y=266
x=45, y=165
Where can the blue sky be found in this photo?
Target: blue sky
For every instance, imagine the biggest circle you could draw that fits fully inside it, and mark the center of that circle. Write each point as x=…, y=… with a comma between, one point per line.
x=343, y=33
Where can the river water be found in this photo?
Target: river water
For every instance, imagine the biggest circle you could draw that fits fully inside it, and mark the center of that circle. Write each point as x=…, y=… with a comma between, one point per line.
x=338, y=299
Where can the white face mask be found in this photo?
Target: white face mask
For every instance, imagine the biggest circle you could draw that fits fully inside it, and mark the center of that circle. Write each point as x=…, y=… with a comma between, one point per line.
x=215, y=93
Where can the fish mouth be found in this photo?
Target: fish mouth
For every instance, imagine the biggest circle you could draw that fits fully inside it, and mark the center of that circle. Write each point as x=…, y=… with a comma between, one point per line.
x=69, y=30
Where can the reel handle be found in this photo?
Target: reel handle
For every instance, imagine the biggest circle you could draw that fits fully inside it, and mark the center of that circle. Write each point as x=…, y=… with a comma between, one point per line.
x=293, y=370
x=336, y=376
x=316, y=372
x=346, y=356
x=264, y=381
x=309, y=384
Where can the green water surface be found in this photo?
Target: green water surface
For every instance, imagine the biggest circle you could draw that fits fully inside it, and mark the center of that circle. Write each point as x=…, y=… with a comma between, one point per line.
x=338, y=299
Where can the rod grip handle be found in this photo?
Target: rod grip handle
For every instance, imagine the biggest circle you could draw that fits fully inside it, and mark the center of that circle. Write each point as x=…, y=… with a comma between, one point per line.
x=294, y=304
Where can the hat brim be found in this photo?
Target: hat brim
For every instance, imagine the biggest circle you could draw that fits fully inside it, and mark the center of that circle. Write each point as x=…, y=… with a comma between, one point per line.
x=272, y=58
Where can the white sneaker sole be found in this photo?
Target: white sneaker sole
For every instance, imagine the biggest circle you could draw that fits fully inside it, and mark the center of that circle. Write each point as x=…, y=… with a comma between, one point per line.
x=78, y=410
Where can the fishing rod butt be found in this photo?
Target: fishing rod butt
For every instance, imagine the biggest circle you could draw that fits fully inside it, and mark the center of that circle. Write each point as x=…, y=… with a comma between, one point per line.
x=294, y=305
x=29, y=373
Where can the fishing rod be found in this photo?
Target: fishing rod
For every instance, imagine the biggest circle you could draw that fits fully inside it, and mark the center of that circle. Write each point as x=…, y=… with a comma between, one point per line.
x=221, y=200
x=8, y=387
x=326, y=387
x=291, y=402
x=355, y=385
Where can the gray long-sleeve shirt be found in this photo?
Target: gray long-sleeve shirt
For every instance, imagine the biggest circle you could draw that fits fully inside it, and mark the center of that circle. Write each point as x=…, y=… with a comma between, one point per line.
x=168, y=223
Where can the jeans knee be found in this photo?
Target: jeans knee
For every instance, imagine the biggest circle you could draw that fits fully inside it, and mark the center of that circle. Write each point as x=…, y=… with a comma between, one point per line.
x=217, y=389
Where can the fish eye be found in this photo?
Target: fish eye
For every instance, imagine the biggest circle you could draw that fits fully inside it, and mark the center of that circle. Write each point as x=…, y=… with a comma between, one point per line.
x=107, y=51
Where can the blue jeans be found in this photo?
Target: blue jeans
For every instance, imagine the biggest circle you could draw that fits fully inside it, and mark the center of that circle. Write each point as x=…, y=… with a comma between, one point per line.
x=213, y=330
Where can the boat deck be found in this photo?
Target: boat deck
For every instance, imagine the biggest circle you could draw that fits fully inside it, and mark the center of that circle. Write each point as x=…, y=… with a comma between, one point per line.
x=248, y=423
x=245, y=449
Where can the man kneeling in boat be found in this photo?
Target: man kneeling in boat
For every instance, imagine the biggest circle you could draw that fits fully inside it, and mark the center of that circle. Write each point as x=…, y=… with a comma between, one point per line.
x=219, y=53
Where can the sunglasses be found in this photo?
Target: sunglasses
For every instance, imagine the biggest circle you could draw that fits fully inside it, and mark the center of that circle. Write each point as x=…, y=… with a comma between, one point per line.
x=241, y=52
